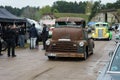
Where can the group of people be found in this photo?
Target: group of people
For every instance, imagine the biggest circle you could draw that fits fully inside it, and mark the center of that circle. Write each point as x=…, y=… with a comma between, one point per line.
x=34, y=36
x=15, y=36
x=9, y=36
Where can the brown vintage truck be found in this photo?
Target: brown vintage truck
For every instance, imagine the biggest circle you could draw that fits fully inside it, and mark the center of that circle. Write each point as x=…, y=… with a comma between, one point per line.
x=69, y=39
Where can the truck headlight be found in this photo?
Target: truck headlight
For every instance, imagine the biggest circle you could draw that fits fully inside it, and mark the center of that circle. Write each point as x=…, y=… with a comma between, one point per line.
x=48, y=42
x=81, y=44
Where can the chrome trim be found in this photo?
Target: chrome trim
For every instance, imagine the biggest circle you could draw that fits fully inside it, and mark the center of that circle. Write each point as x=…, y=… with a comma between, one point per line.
x=64, y=39
x=100, y=33
x=113, y=72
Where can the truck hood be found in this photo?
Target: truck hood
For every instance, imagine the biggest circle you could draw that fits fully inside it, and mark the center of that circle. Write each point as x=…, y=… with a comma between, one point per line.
x=73, y=34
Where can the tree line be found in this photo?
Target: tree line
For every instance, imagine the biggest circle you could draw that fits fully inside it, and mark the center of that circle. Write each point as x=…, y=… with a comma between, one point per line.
x=62, y=7
x=57, y=7
x=69, y=7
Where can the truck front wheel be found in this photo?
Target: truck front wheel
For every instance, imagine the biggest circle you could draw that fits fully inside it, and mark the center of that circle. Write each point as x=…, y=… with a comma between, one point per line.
x=51, y=57
x=86, y=53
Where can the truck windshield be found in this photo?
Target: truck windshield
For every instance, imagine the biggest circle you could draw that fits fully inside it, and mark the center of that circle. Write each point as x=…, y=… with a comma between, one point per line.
x=68, y=24
x=101, y=25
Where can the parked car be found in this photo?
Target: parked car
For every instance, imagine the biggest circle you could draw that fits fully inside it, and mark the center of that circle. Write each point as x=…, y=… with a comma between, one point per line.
x=69, y=39
x=112, y=70
x=102, y=31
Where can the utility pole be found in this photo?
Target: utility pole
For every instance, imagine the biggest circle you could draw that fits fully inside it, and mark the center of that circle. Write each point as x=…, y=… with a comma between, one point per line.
x=106, y=17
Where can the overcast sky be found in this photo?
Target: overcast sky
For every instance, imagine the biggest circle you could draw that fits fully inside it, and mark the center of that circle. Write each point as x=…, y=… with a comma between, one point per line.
x=39, y=3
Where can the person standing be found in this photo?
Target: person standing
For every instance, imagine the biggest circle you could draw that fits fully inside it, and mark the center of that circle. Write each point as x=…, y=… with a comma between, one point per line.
x=37, y=42
x=21, y=33
x=116, y=27
x=0, y=40
x=33, y=36
x=45, y=34
x=10, y=39
x=17, y=36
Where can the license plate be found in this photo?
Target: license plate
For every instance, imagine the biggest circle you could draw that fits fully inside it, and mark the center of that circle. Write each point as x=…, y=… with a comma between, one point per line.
x=51, y=54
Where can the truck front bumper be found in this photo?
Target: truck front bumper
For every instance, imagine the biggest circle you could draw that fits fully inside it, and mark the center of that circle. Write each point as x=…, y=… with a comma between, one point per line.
x=64, y=54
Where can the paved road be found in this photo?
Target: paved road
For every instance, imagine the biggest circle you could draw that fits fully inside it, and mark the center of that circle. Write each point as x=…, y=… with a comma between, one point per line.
x=33, y=65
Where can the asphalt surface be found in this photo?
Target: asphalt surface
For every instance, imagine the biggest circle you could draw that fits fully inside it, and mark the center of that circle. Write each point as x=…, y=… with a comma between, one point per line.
x=34, y=65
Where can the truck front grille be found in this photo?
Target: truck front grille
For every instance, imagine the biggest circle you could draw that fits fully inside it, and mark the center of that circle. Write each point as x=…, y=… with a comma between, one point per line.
x=100, y=33
x=62, y=46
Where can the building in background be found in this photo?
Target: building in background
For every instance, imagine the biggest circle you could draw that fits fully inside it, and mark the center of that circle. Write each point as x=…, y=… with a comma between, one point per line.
x=48, y=19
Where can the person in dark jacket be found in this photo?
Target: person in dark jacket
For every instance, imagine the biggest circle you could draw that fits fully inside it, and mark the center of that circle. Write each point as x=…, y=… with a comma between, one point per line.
x=17, y=36
x=37, y=42
x=116, y=27
x=33, y=36
x=10, y=39
x=21, y=33
x=45, y=34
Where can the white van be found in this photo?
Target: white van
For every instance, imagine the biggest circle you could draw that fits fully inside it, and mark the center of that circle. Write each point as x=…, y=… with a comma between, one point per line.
x=38, y=27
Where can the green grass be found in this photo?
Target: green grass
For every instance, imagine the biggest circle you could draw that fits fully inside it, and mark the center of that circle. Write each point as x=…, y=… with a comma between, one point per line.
x=71, y=15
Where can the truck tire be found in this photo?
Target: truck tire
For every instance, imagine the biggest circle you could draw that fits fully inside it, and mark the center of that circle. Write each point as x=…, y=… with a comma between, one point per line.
x=51, y=57
x=86, y=53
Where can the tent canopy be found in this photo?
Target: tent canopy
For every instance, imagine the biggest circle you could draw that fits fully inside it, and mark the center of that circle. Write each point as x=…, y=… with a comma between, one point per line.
x=6, y=16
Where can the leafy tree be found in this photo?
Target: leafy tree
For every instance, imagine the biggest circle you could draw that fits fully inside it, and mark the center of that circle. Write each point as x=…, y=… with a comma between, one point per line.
x=88, y=7
x=29, y=12
x=63, y=7
x=55, y=11
x=69, y=7
x=95, y=9
x=46, y=9
x=109, y=6
x=117, y=4
x=15, y=11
